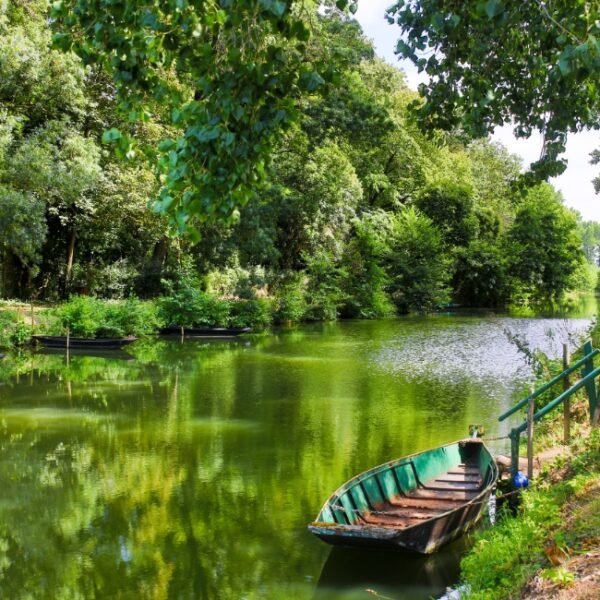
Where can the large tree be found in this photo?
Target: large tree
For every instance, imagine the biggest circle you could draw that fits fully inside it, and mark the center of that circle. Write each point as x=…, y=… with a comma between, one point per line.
x=544, y=246
x=490, y=62
x=229, y=73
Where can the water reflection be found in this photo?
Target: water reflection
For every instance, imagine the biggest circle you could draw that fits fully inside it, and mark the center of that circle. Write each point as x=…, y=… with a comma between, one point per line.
x=355, y=574
x=191, y=471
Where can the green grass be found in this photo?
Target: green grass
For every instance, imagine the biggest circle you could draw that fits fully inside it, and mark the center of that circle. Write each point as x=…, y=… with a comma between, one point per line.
x=507, y=556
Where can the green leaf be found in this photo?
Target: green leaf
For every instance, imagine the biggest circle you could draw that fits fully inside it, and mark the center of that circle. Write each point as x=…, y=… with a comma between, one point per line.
x=166, y=145
x=208, y=134
x=276, y=7
x=493, y=8
x=111, y=136
x=311, y=81
x=564, y=64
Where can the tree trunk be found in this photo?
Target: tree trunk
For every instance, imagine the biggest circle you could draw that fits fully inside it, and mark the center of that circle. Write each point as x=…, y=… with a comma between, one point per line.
x=150, y=284
x=15, y=276
x=70, y=259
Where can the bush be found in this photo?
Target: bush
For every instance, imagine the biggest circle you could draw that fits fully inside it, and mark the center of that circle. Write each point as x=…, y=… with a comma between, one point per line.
x=13, y=331
x=251, y=313
x=89, y=317
x=290, y=301
x=185, y=305
x=323, y=291
x=129, y=317
x=81, y=316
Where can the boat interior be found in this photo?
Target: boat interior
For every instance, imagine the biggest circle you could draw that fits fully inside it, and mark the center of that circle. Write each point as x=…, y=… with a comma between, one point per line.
x=413, y=489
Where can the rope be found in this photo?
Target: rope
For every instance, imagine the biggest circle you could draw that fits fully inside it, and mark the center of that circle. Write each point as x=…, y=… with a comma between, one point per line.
x=495, y=439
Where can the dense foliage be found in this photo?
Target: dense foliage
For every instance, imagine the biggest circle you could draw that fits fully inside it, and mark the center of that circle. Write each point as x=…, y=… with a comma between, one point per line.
x=86, y=317
x=491, y=62
x=340, y=207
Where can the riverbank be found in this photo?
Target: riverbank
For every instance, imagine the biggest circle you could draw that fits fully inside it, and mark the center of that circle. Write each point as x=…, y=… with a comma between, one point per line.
x=551, y=548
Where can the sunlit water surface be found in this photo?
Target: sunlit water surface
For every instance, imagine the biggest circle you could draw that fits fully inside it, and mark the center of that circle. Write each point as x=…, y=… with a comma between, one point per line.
x=190, y=470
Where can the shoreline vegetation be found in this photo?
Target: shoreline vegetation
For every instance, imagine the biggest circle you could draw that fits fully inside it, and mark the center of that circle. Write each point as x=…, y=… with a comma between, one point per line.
x=185, y=307
x=549, y=549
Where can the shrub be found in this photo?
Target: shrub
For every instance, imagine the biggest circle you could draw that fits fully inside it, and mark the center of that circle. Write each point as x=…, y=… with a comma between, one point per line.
x=251, y=313
x=323, y=291
x=290, y=301
x=13, y=331
x=81, y=316
x=212, y=312
x=181, y=303
x=129, y=317
x=185, y=305
x=89, y=317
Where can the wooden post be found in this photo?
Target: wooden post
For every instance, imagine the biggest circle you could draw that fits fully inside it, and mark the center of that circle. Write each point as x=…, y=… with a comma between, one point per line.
x=567, y=402
x=530, y=413
x=32, y=319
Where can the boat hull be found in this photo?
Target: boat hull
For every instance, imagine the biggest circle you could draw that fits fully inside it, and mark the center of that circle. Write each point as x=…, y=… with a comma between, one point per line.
x=417, y=503
x=50, y=341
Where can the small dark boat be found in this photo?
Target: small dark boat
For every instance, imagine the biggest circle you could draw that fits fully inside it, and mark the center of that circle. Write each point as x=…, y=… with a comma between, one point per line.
x=54, y=341
x=416, y=503
x=206, y=331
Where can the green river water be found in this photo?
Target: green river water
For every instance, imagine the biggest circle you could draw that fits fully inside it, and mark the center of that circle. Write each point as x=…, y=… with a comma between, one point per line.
x=190, y=470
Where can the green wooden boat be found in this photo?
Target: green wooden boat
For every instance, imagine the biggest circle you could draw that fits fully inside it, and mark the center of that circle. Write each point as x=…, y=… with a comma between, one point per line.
x=416, y=503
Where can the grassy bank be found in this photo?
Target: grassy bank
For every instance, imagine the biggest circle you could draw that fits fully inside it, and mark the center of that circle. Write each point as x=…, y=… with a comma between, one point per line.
x=550, y=548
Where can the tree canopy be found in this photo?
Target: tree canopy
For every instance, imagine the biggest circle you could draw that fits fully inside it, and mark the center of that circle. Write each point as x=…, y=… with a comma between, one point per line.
x=227, y=73
x=535, y=64
x=356, y=212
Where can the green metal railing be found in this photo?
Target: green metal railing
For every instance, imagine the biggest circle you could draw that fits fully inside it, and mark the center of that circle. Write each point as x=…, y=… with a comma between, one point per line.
x=588, y=375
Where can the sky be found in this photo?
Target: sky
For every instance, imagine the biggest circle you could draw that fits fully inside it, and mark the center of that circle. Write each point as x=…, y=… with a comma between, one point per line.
x=575, y=183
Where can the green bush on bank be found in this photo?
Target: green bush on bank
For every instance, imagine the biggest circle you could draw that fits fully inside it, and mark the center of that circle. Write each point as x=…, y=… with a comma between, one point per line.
x=186, y=305
x=88, y=317
x=13, y=331
x=289, y=304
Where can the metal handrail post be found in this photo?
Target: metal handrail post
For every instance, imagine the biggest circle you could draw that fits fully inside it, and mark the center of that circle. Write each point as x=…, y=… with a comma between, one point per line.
x=591, y=385
x=514, y=436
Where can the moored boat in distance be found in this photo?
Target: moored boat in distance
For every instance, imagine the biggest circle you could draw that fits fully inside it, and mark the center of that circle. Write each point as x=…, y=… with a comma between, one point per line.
x=416, y=503
x=205, y=331
x=55, y=341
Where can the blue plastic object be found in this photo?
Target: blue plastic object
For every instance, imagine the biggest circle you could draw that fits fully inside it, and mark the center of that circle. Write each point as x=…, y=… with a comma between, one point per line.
x=520, y=481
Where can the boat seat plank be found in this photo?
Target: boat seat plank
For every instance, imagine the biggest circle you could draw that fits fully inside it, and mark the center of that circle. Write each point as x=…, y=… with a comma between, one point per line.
x=467, y=470
x=474, y=478
x=436, y=484
x=447, y=495
x=432, y=504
